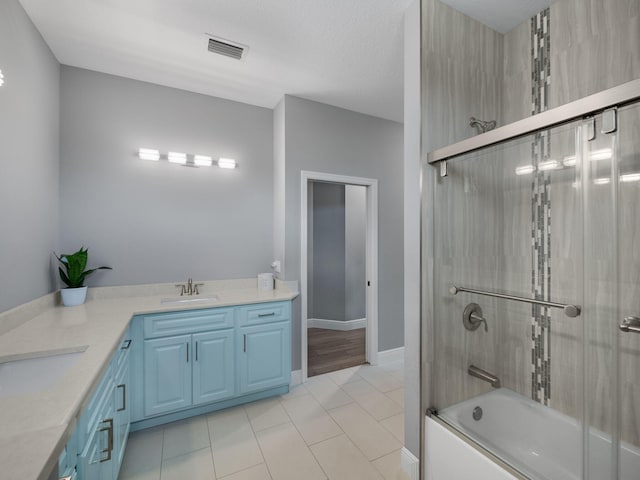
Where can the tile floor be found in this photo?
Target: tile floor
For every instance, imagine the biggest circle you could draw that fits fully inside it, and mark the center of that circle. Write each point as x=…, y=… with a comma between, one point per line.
x=344, y=425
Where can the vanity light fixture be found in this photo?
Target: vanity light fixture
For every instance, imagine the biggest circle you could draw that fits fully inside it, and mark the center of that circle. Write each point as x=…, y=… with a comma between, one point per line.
x=226, y=163
x=186, y=159
x=525, y=169
x=202, y=161
x=148, y=154
x=177, y=157
x=1, y=78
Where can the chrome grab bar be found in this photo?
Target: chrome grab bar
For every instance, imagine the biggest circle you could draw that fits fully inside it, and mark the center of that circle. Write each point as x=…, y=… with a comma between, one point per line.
x=630, y=324
x=484, y=375
x=569, y=310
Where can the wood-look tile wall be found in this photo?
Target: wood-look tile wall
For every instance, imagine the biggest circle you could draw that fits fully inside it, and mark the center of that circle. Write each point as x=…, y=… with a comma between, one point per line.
x=481, y=212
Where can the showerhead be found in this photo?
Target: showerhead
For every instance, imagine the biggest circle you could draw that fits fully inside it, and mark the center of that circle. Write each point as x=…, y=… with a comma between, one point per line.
x=482, y=126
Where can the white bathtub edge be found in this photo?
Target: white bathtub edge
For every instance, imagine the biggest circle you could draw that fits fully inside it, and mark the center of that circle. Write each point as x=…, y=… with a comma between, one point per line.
x=410, y=464
x=449, y=458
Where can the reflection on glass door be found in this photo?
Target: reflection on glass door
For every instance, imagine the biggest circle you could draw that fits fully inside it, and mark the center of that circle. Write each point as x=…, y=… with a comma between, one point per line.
x=628, y=341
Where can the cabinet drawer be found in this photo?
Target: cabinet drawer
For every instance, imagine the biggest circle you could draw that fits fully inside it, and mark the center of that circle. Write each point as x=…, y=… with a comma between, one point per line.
x=90, y=416
x=176, y=323
x=264, y=313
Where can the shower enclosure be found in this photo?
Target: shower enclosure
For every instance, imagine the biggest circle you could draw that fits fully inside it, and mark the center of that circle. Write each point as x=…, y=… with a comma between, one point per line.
x=531, y=289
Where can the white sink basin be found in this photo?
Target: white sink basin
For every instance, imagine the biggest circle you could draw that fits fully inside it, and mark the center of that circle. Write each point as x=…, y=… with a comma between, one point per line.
x=188, y=300
x=32, y=375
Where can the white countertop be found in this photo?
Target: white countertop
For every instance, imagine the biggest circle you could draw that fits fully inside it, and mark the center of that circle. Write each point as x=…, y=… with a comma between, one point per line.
x=35, y=427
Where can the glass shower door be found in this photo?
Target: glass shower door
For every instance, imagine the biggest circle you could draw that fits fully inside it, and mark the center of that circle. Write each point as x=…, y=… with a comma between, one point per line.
x=508, y=373
x=628, y=342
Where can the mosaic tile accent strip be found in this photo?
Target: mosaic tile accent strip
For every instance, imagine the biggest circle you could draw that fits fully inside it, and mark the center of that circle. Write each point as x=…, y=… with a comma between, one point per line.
x=540, y=214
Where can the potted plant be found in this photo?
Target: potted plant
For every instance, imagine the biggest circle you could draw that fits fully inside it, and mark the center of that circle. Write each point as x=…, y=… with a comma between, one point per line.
x=73, y=276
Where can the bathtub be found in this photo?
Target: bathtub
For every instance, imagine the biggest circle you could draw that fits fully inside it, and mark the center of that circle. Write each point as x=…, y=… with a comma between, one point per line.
x=536, y=440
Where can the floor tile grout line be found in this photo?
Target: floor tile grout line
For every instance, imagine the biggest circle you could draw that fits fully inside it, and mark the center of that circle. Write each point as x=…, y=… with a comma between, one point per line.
x=213, y=460
x=247, y=468
x=354, y=442
x=365, y=409
x=246, y=416
x=255, y=434
x=161, y=454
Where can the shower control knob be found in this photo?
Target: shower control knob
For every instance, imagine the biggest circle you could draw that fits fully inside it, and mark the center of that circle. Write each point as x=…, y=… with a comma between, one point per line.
x=472, y=317
x=630, y=324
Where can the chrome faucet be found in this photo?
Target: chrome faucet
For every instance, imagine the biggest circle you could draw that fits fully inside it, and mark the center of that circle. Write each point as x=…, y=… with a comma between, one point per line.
x=189, y=288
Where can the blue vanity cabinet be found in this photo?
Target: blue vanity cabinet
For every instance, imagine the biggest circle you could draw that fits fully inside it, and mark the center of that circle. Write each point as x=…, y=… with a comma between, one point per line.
x=96, y=460
x=96, y=447
x=122, y=401
x=213, y=366
x=167, y=374
x=67, y=463
x=264, y=346
x=190, y=362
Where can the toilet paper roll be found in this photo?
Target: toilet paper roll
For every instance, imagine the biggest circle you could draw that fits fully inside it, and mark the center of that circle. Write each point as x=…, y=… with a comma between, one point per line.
x=265, y=281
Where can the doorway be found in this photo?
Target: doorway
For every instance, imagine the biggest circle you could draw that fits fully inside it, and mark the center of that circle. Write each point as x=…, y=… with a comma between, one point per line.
x=338, y=272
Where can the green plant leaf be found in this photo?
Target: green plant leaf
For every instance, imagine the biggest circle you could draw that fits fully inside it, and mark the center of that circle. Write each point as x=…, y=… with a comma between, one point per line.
x=64, y=277
x=75, y=265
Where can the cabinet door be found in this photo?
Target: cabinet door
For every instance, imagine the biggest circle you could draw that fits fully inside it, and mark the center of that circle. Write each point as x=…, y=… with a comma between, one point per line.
x=213, y=366
x=167, y=379
x=123, y=409
x=264, y=356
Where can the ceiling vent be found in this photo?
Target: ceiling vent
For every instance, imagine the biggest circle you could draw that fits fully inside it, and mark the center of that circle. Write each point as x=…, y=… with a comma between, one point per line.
x=227, y=48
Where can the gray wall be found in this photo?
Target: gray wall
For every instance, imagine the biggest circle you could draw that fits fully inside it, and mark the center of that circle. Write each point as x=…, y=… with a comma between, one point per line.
x=321, y=138
x=328, y=245
x=355, y=252
x=155, y=221
x=463, y=73
x=29, y=146
x=336, y=254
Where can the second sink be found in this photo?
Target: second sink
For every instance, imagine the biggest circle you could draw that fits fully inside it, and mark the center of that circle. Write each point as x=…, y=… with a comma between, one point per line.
x=31, y=375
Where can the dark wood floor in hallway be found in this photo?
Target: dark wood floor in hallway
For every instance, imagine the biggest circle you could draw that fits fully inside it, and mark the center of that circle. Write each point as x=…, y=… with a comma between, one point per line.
x=331, y=350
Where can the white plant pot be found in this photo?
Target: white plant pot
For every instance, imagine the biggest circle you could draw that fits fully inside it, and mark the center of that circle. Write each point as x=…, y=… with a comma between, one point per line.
x=73, y=296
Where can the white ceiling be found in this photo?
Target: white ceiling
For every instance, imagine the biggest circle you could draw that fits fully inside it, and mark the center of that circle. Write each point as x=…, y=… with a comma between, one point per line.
x=346, y=53
x=501, y=15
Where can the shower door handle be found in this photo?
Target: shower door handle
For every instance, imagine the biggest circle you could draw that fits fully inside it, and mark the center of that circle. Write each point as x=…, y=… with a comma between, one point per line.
x=630, y=324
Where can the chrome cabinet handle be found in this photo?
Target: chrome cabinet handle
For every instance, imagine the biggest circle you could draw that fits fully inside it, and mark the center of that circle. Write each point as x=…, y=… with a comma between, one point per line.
x=196, y=351
x=127, y=344
x=245, y=342
x=630, y=324
x=272, y=314
x=124, y=397
x=109, y=448
x=187, y=352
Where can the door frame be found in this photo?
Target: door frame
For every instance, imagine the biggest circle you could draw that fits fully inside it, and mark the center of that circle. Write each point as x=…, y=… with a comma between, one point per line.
x=371, y=184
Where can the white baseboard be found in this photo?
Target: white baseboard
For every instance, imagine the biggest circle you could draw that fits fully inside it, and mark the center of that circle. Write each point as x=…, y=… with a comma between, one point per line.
x=296, y=378
x=337, y=324
x=409, y=464
x=391, y=356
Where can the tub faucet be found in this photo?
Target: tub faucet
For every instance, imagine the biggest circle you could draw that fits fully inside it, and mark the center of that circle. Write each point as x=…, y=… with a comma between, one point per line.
x=488, y=377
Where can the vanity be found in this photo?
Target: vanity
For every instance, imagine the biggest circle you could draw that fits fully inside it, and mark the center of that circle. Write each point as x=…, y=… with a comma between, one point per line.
x=142, y=363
